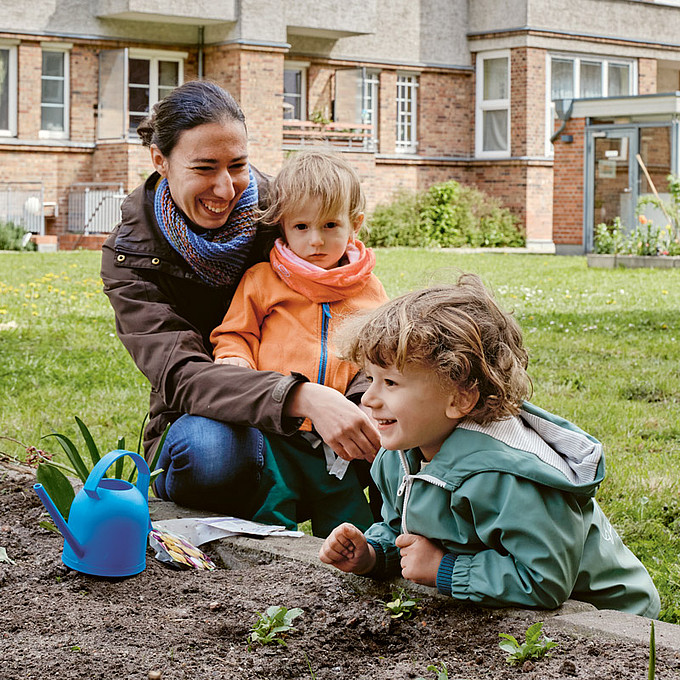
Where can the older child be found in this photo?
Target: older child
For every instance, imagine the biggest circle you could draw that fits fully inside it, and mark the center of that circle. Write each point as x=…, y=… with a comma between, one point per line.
x=280, y=320
x=486, y=497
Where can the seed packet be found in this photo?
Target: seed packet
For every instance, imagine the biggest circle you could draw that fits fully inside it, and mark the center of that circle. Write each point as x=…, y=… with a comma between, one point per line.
x=175, y=551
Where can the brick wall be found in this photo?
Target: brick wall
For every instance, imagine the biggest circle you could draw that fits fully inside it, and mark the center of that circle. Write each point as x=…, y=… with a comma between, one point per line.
x=646, y=76
x=255, y=78
x=568, y=186
x=387, y=111
x=445, y=114
x=527, y=102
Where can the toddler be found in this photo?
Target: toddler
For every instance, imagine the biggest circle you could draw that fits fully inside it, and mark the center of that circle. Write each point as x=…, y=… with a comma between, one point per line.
x=485, y=496
x=281, y=318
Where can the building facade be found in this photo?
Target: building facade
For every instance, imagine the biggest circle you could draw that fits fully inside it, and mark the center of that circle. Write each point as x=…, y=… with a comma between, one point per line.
x=413, y=91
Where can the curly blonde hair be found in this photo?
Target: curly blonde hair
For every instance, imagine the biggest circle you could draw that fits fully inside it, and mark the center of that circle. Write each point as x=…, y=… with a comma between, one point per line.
x=459, y=332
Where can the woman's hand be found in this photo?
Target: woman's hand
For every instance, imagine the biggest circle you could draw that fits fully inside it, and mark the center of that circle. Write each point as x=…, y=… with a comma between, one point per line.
x=339, y=422
x=347, y=549
x=420, y=558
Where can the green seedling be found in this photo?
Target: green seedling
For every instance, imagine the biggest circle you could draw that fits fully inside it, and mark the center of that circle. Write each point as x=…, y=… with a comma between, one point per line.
x=440, y=672
x=533, y=648
x=651, y=671
x=275, y=621
x=402, y=606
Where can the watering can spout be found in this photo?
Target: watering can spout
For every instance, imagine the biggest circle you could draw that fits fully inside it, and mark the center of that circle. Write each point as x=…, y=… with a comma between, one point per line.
x=59, y=520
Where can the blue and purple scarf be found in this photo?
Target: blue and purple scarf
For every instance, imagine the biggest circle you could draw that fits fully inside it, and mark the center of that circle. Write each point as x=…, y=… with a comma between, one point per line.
x=218, y=256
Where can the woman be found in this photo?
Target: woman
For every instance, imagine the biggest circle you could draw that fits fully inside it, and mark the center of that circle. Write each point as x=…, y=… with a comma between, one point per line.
x=169, y=269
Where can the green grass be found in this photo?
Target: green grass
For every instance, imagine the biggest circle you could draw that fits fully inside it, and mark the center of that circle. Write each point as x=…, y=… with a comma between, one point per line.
x=604, y=348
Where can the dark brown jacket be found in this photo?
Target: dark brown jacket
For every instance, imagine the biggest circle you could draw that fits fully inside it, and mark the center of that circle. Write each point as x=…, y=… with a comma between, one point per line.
x=164, y=316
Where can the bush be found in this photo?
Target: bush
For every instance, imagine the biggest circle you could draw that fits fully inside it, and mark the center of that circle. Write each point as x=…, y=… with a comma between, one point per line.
x=14, y=237
x=447, y=215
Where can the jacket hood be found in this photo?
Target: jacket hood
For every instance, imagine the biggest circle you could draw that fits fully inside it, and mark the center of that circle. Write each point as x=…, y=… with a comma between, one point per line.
x=536, y=445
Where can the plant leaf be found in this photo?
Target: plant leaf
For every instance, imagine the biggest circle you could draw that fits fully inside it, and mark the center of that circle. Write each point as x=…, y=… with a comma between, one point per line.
x=89, y=441
x=58, y=487
x=73, y=455
x=141, y=434
x=46, y=524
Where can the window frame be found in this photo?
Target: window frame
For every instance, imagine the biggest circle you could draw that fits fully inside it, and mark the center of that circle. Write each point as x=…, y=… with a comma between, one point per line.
x=65, y=50
x=482, y=106
x=576, y=58
x=301, y=66
x=153, y=57
x=370, y=91
x=404, y=120
x=12, y=87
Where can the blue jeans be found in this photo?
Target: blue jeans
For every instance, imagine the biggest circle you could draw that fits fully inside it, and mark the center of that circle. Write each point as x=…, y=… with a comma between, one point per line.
x=210, y=465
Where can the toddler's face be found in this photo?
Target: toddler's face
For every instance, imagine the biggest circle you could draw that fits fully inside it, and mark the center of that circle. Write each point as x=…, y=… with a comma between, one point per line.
x=410, y=408
x=318, y=241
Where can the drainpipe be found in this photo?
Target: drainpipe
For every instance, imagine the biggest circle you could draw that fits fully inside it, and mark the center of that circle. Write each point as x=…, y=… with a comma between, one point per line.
x=201, y=30
x=563, y=108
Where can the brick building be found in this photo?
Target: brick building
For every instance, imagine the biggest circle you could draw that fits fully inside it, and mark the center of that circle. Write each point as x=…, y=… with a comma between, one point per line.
x=413, y=91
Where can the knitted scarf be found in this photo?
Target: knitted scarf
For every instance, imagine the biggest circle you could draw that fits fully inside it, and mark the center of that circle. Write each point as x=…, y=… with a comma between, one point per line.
x=219, y=255
x=323, y=285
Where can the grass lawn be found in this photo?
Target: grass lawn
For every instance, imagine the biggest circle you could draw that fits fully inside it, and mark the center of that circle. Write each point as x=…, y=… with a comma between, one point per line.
x=604, y=352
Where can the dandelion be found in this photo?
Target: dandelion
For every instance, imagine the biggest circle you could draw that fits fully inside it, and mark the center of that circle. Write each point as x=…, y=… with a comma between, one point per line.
x=664, y=292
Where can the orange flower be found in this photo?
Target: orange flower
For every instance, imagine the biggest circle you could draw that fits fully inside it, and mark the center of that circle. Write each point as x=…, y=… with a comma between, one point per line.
x=643, y=219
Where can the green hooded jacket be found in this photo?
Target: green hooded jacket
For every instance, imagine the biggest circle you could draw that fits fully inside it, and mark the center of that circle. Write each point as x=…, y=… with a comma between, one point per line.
x=512, y=504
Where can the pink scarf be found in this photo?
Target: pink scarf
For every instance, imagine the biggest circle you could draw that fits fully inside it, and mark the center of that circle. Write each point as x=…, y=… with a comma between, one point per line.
x=323, y=285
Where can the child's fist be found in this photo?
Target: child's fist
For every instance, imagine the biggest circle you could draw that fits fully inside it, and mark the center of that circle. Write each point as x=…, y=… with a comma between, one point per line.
x=347, y=549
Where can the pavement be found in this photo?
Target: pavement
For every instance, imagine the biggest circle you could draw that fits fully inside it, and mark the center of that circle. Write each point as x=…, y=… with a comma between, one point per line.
x=575, y=618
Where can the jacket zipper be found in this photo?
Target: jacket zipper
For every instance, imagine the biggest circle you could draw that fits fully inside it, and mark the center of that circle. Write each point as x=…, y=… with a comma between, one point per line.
x=325, y=323
x=406, y=484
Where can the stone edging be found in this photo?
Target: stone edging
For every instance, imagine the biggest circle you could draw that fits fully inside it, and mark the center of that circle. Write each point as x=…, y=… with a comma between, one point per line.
x=633, y=261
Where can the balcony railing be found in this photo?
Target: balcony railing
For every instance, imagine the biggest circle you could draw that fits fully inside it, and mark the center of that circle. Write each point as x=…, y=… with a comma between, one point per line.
x=94, y=208
x=353, y=136
x=22, y=204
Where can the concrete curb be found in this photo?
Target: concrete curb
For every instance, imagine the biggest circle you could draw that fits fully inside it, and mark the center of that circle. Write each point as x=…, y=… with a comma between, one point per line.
x=578, y=619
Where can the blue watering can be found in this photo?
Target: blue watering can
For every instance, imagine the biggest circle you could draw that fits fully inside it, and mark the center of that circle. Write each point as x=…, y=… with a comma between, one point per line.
x=108, y=523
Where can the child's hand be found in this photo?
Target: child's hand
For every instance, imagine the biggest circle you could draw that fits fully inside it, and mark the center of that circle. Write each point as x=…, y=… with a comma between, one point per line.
x=233, y=361
x=420, y=558
x=347, y=550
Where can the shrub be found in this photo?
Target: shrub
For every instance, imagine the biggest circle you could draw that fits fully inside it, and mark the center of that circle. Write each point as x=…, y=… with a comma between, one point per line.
x=447, y=215
x=14, y=237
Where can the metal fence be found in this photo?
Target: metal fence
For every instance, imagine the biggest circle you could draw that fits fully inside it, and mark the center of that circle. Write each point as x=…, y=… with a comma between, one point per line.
x=94, y=208
x=22, y=204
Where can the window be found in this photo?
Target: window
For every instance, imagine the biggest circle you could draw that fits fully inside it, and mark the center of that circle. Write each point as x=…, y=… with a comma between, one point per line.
x=54, y=98
x=573, y=77
x=294, y=91
x=369, y=105
x=407, y=112
x=8, y=89
x=130, y=83
x=492, y=137
x=149, y=80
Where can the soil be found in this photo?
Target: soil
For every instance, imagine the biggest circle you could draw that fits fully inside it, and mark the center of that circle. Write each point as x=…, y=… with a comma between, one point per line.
x=163, y=623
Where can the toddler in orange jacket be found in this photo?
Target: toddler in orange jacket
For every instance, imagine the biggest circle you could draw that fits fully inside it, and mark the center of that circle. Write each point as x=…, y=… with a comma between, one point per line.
x=281, y=317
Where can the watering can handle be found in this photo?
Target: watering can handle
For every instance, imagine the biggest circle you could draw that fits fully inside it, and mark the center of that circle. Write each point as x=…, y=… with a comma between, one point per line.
x=105, y=462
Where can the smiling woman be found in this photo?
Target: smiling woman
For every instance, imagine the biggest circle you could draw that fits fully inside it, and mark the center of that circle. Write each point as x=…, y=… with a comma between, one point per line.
x=170, y=269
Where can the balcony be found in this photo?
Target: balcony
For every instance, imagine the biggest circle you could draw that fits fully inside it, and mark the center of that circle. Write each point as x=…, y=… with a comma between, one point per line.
x=198, y=12
x=347, y=136
x=331, y=19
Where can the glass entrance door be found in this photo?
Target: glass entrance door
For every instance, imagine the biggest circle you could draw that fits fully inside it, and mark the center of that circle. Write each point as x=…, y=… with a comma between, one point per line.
x=613, y=173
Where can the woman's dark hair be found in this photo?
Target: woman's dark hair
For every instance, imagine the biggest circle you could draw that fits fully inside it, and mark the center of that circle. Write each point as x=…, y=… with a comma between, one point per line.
x=188, y=106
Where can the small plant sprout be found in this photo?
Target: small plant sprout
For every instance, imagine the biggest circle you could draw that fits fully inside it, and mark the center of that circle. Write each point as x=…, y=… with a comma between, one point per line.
x=275, y=621
x=651, y=671
x=402, y=605
x=533, y=648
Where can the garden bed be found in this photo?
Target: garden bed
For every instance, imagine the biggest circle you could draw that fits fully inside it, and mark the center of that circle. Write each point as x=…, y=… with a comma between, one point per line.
x=55, y=622
x=604, y=261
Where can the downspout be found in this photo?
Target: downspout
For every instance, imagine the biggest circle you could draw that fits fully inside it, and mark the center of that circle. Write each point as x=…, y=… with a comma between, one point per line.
x=564, y=114
x=201, y=30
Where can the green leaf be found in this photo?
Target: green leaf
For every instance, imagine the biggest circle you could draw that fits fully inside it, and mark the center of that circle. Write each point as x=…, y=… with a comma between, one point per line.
x=533, y=632
x=46, y=524
x=141, y=434
x=159, y=448
x=58, y=487
x=651, y=671
x=89, y=441
x=73, y=455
